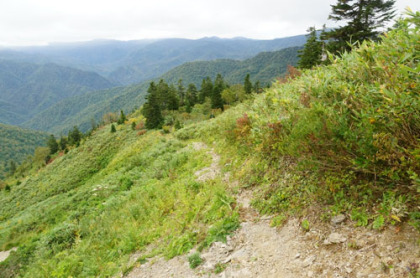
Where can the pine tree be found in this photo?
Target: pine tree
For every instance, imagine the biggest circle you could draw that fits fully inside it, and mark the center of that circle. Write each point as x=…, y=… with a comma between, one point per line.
x=257, y=87
x=206, y=90
x=52, y=144
x=216, y=97
x=75, y=136
x=181, y=93
x=162, y=92
x=63, y=143
x=247, y=84
x=122, y=118
x=113, y=129
x=364, y=18
x=188, y=107
x=191, y=95
x=172, y=99
x=152, y=109
x=12, y=167
x=311, y=54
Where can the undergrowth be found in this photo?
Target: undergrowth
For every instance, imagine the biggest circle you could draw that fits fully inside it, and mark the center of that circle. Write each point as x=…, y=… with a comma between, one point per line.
x=86, y=213
x=343, y=136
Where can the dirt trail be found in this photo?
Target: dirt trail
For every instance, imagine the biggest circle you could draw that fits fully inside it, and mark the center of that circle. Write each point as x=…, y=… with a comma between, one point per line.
x=256, y=249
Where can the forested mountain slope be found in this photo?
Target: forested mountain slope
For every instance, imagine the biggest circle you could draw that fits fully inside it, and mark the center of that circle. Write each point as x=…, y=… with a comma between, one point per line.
x=16, y=144
x=27, y=89
x=264, y=67
x=88, y=108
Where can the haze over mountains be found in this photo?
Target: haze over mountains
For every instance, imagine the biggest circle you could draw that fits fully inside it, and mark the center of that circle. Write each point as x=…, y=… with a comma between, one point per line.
x=127, y=62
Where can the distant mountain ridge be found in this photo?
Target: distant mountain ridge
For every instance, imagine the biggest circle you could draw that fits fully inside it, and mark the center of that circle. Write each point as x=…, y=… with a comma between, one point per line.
x=128, y=62
x=27, y=89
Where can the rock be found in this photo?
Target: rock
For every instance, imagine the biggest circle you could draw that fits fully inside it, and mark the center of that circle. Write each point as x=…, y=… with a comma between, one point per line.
x=297, y=256
x=309, y=261
x=335, y=238
x=5, y=254
x=240, y=255
x=208, y=266
x=228, y=259
x=348, y=270
x=338, y=219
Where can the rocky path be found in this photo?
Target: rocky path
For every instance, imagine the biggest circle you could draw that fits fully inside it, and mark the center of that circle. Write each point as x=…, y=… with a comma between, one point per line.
x=256, y=249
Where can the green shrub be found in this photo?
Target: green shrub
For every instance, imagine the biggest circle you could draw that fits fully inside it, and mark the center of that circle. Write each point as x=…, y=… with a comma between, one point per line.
x=125, y=183
x=195, y=260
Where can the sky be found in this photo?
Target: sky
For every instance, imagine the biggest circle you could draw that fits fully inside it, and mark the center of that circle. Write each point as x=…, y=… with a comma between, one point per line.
x=39, y=22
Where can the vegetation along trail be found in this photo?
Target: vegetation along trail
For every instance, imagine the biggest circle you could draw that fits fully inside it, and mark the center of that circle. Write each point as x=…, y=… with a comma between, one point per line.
x=257, y=249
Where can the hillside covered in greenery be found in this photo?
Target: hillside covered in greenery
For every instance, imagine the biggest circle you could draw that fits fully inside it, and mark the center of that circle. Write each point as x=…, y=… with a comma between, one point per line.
x=342, y=138
x=87, y=109
x=16, y=144
x=264, y=67
x=27, y=89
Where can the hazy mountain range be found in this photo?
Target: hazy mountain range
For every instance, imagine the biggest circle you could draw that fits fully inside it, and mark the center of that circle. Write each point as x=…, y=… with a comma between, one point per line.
x=127, y=62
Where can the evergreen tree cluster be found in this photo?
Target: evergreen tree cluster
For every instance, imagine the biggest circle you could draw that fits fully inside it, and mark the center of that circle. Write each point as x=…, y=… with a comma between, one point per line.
x=161, y=97
x=73, y=139
x=363, y=21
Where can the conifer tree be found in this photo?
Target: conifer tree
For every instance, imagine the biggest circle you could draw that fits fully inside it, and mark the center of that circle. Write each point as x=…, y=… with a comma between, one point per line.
x=257, y=87
x=191, y=95
x=75, y=136
x=216, y=97
x=12, y=167
x=188, y=107
x=363, y=19
x=311, y=53
x=172, y=99
x=122, y=118
x=63, y=143
x=152, y=109
x=113, y=129
x=162, y=92
x=52, y=144
x=247, y=84
x=181, y=93
x=206, y=89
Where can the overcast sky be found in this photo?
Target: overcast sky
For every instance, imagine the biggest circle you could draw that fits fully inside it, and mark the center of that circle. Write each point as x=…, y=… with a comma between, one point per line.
x=34, y=22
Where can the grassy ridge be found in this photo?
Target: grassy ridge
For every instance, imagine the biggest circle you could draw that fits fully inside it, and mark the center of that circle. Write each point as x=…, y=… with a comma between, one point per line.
x=85, y=213
x=340, y=139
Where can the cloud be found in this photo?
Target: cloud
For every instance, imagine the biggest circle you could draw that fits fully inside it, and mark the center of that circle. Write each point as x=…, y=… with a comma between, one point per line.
x=28, y=22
